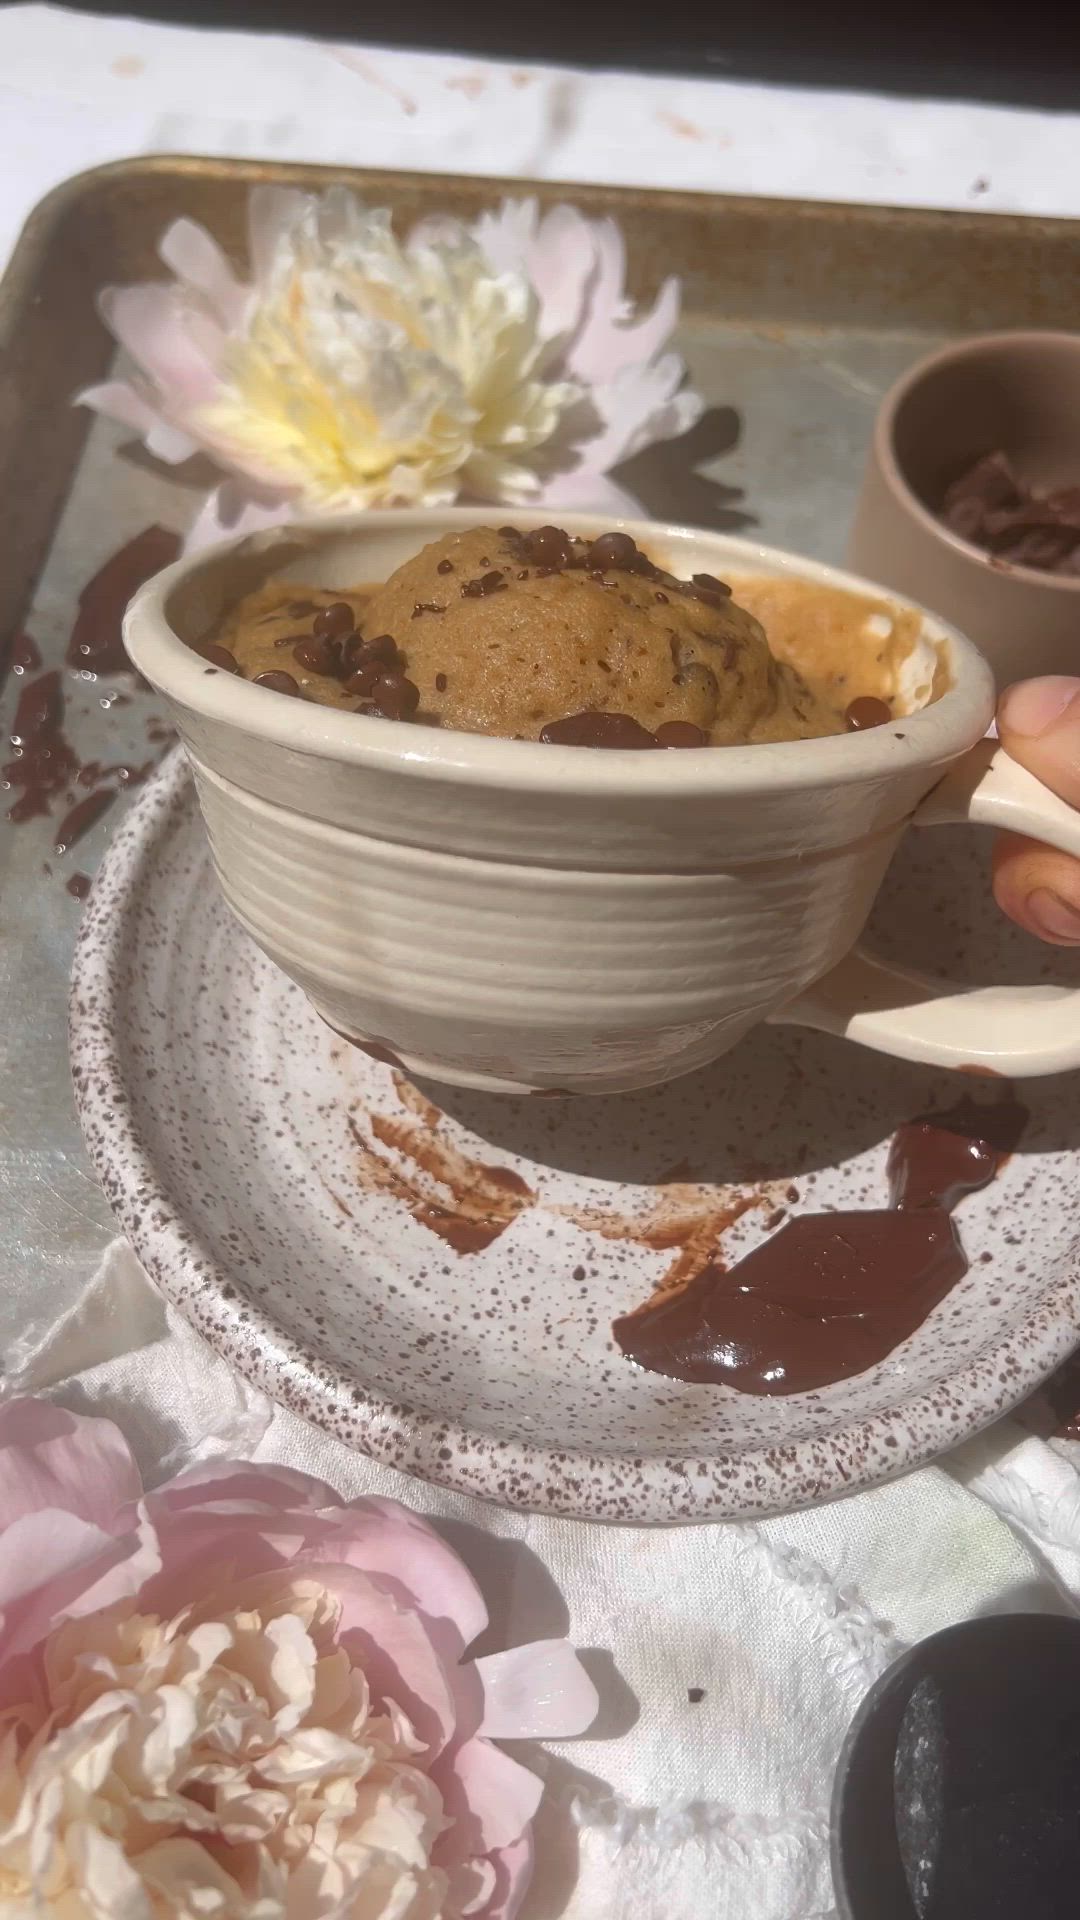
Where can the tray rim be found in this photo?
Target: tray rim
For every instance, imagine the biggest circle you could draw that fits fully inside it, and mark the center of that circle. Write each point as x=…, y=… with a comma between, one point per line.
x=39, y=512
x=624, y=1488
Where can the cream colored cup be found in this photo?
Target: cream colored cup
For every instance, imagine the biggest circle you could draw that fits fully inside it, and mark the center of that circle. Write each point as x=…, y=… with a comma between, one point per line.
x=1017, y=392
x=514, y=916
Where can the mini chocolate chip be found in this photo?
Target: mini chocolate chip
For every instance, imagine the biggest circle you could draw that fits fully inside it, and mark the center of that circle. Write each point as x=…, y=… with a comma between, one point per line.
x=695, y=1695
x=509, y=533
x=440, y=683
x=524, y=574
x=277, y=682
x=493, y=582
x=712, y=585
x=867, y=711
x=395, y=697
x=320, y=655
x=681, y=733
x=333, y=623
x=662, y=597
x=613, y=550
x=484, y=561
x=221, y=657
x=445, y=566
x=363, y=678
x=357, y=651
x=597, y=730
x=426, y=606
x=549, y=546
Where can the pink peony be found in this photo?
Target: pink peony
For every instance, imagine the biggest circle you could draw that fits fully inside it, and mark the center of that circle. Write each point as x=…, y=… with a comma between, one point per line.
x=501, y=361
x=244, y=1697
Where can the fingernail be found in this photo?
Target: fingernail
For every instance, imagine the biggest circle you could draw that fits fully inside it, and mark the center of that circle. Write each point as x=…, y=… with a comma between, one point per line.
x=1033, y=706
x=1052, y=916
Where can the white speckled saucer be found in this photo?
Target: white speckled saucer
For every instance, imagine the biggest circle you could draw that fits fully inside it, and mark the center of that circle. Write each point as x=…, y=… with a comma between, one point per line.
x=278, y=1185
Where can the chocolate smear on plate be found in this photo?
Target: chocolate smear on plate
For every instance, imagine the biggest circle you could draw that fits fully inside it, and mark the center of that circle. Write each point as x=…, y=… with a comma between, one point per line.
x=832, y=1294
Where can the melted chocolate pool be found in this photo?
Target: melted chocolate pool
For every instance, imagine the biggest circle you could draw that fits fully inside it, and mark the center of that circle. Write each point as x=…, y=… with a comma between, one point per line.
x=832, y=1294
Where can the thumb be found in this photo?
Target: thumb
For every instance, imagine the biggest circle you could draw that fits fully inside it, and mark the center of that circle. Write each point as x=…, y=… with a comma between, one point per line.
x=1039, y=725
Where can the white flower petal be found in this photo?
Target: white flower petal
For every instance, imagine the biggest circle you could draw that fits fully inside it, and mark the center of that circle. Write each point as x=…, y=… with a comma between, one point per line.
x=110, y=1888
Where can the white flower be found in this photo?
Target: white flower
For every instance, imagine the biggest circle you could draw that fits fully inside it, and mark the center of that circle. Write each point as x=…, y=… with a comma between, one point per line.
x=230, y=1767
x=502, y=362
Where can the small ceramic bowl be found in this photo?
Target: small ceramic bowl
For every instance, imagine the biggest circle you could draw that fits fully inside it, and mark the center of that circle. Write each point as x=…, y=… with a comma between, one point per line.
x=1014, y=392
x=503, y=914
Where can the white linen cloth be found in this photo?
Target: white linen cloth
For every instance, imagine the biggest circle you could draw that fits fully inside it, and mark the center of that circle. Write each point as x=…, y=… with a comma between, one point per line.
x=669, y=1810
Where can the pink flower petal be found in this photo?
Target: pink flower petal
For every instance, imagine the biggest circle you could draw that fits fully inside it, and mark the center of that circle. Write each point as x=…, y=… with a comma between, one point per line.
x=536, y=1692
x=227, y=513
x=195, y=257
x=271, y=1487
x=119, y=401
x=76, y=1569
x=488, y=1796
x=52, y=1458
x=152, y=323
x=395, y=1545
x=39, y=1546
x=396, y=1655
x=513, y=1871
x=609, y=340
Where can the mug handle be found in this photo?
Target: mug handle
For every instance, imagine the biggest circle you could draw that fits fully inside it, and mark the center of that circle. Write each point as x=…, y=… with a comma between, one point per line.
x=1016, y=1031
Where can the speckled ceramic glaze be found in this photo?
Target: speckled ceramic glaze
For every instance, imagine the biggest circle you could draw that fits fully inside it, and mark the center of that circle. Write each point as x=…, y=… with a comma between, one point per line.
x=278, y=1182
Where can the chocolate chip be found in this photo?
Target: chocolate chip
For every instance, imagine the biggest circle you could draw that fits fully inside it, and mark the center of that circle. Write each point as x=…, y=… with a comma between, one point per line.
x=440, y=683
x=695, y=1695
x=319, y=655
x=613, y=550
x=395, y=697
x=333, y=622
x=662, y=597
x=277, y=682
x=221, y=657
x=597, y=730
x=426, y=606
x=509, y=533
x=363, y=677
x=493, y=582
x=867, y=711
x=356, y=651
x=524, y=574
x=548, y=546
x=714, y=595
x=445, y=566
x=681, y=733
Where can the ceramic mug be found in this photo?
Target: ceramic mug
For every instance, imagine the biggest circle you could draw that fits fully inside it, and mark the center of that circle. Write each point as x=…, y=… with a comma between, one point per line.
x=513, y=916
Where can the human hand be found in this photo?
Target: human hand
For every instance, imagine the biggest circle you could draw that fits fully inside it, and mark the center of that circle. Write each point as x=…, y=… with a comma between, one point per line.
x=1039, y=725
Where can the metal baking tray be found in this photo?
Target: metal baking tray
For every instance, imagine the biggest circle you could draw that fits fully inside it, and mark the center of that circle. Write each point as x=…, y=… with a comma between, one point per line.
x=796, y=317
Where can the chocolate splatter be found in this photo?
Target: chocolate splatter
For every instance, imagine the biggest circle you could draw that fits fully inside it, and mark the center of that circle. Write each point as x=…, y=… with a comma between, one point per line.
x=96, y=643
x=43, y=763
x=832, y=1294
x=81, y=817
